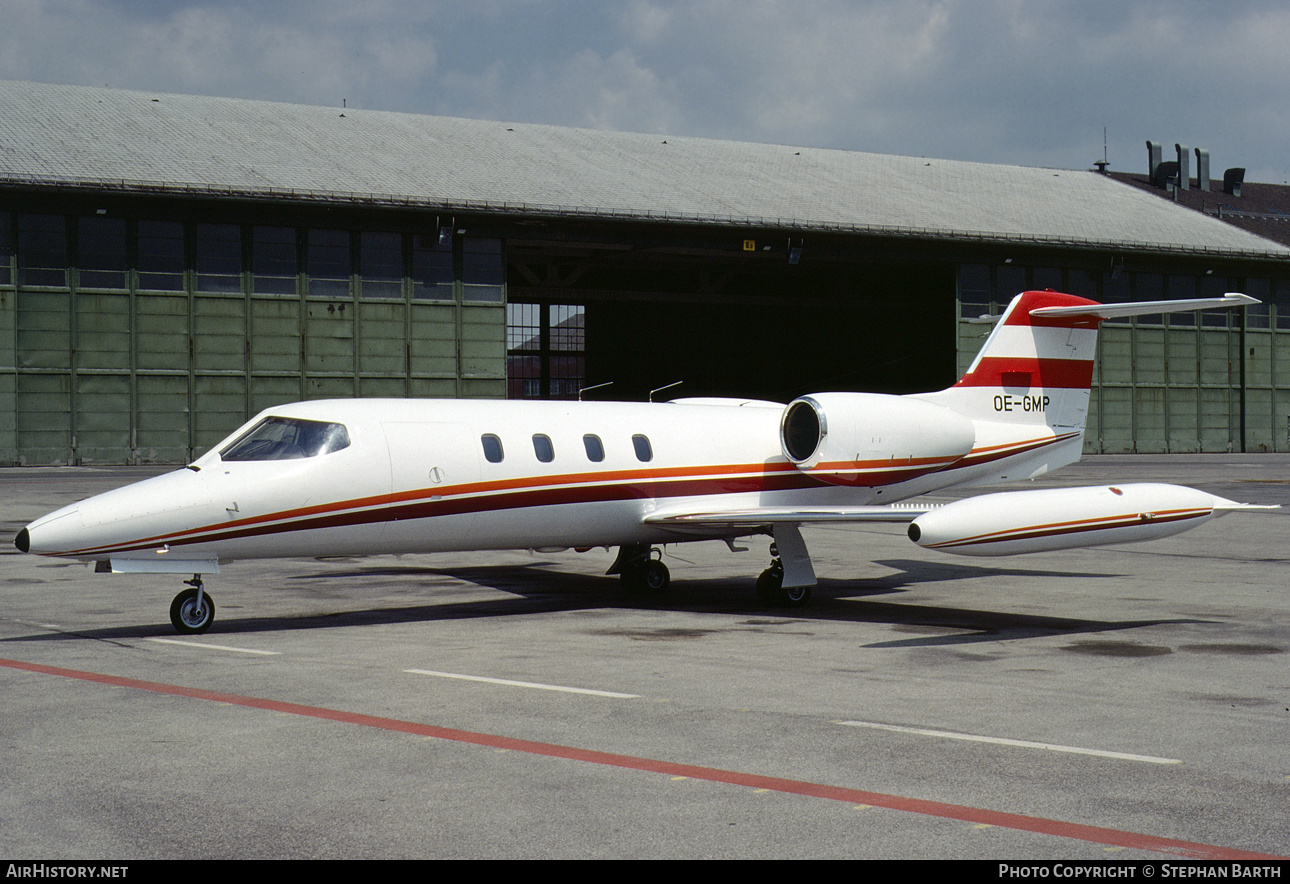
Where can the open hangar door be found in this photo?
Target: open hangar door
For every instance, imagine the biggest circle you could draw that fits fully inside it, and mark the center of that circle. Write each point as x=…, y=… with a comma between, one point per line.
x=765, y=329
x=888, y=330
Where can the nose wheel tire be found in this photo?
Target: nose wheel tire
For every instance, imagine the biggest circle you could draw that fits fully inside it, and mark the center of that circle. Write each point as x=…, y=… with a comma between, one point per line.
x=189, y=616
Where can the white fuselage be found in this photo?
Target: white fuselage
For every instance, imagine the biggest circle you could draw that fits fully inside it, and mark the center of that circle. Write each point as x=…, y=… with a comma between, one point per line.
x=415, y=477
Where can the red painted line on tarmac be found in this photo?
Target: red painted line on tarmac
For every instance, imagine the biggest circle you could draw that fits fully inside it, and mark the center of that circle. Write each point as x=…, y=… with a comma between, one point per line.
x=1039, y=825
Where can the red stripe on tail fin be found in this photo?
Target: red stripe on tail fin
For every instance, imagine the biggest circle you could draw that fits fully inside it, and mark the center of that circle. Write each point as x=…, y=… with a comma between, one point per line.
x=1019, y=310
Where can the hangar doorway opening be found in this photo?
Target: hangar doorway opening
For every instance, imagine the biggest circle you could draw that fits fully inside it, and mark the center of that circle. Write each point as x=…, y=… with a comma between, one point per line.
x=888, y=329
x=545, y=351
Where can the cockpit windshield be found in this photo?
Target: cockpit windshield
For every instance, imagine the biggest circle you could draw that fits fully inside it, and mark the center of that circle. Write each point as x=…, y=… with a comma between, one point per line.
x=285, y=438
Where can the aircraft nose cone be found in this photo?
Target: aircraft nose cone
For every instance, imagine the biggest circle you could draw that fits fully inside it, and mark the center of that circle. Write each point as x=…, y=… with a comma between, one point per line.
x=23, y=541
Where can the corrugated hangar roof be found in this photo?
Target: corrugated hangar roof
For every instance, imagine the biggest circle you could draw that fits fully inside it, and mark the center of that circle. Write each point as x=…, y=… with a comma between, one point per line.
x=76, y=137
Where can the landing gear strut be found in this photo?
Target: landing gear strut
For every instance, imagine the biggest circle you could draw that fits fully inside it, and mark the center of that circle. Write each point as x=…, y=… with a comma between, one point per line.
x=640, y=570
x=192, y=612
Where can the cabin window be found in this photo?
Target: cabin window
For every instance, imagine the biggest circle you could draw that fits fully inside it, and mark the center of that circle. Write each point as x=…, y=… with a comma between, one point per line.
x=492, y=448
x=595, y=449
x=543, y=448
x=285, y=438
x=644, y=452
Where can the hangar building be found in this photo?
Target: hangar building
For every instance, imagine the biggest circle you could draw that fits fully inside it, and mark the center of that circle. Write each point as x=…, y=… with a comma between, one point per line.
x=170, y=265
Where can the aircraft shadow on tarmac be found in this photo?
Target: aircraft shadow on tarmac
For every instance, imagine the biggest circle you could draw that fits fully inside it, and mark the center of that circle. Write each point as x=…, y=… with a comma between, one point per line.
x=541, y=588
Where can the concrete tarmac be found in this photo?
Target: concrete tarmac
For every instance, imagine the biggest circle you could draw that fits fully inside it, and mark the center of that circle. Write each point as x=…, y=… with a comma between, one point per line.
x=1120, y=703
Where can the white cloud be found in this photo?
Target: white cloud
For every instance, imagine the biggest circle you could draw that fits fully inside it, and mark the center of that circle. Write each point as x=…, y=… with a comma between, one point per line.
x=1026, y=81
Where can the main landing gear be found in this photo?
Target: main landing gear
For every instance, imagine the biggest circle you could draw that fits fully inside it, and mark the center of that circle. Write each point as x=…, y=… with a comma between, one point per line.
x=785, y=584
x=192, y=612
x=771, y=591
x=640, y=570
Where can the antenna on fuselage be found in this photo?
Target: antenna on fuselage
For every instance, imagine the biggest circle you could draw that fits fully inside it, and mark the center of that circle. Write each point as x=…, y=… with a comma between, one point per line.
x=661, y=389
x=593, y=387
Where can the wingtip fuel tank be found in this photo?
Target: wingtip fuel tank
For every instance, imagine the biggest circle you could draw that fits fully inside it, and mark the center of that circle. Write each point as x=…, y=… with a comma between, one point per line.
x=1013, y=522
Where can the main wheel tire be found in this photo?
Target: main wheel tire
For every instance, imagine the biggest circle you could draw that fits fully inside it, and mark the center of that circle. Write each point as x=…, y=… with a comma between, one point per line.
x=795, y=596
x=188, y=617
x=651, y=577
x=771, y=591
x=770, y=585
x=655, y=576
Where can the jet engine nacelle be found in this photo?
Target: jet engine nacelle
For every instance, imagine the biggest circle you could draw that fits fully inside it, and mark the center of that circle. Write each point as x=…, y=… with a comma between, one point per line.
x=868, y=439
x=1014, y=522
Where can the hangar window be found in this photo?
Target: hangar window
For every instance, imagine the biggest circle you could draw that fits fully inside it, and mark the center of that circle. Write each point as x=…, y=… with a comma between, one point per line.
x=273, y=260
x=1009, y=281
x=285, y=438
x=644, y=451
x=1282, y=301
x=161, y=256
x=432, y=267
x=42, y=250
x=543, y=448
x=1116, y=289
x=329, y=263
x=6, y=249
x=974, y=290
x=381, y=265
x=1257, y=315
x=482, y=273
x=1149, y=287
x=595, y=448
x=1042, y=278
x=1216, y=286
x=219, y=258
x=101, y=253
x=492, y=448
x=1181, y=287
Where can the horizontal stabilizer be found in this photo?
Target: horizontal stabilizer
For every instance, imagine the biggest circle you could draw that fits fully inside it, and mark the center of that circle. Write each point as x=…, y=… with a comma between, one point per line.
x=1140, y=308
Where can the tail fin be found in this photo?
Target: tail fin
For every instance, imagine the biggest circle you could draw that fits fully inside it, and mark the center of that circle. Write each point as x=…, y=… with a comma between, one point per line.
x=1033, y=369
x=1027, y=391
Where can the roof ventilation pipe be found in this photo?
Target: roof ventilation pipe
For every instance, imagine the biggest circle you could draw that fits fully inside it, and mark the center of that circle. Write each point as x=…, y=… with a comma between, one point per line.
x=1153, y=159
x=1202, y=168
x=1184, y=166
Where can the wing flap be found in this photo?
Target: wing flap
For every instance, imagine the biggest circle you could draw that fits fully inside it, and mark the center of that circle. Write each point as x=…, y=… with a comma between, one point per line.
x=756, y=517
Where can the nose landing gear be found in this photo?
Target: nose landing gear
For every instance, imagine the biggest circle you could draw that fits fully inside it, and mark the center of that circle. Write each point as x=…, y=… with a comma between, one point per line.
x=192, y=612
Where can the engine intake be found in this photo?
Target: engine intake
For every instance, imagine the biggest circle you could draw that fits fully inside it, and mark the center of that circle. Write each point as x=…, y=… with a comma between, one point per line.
x=868, y=439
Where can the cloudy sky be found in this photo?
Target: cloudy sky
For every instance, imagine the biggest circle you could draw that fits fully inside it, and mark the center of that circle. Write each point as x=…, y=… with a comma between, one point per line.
x=1031, y=82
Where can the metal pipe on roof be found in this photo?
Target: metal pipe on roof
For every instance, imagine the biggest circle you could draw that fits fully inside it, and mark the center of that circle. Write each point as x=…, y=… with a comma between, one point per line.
x=1184, y=166
x=1153, y=159
x=1202, y=168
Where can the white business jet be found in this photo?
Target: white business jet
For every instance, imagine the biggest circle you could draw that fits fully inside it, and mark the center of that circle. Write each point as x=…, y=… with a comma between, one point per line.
x=379, y=476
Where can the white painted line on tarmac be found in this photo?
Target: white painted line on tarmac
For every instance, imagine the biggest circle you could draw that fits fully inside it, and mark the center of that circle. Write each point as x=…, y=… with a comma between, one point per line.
x=524, y=684
x=175, y=641
x=1003, y=741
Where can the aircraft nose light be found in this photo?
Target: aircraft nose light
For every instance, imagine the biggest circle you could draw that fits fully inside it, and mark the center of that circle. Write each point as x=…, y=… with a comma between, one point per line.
x=23, y=541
